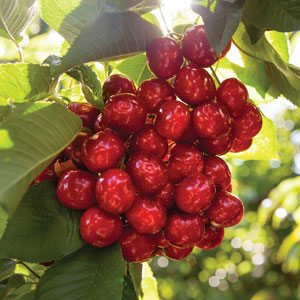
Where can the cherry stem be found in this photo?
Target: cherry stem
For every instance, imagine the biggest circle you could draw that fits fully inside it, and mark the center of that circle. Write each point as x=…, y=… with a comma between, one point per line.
x=29, y=269
x=164, y=19
x=215, y=75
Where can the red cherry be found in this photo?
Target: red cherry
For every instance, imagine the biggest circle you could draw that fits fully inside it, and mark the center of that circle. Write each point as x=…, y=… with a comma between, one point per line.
x=100, y=228
x=173, y=118
x=226, y=210
x=149, y=141
x=194, y=193
x=148, y=173
x=166, y=195
x=218, y=146
x=117, y=84
x=86, y=112
x=204, y=216
x=164, y=57
x=189, y=136
x=211, y=120
x=184, y=160
x=177, y=253
x=234, y=95
x=217, y=171
x=147, y=215
x=114, y=191
x=225, y=50
x=136, y=247
x=194, y=85
x=240, y=145
x=212, y=238
x=103, y=150
x=248, y=124
x=152, y=91
x=47, y=174
x=124, y=113
x=99, y=126
x=184, y=230
x=229, y=189
x=76, y=189
x=160, y=240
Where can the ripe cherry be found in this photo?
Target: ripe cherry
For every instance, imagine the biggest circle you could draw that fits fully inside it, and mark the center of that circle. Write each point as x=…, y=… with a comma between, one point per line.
x=194, y=85
x=164, y=57
x=216, y=169
x=240, y=145
x=189, y=136
x=160, y=240
x=234, y=95
x=152, y=91
x=117, y=84
x=86, y=112
x=184, y=230
x=173, y=118
x=100, y=228
x=194, y=193
x=226, y=210
x=218, y=146
x=76, y=189
x=212, y=238
x=211, y=120
x=47, y=174
x=114, y=191
x=98, y=125
x=148, y=173
x=166, y=195
x=177, y=253
x=103, y=150
x=147, y=215
x=184, y=160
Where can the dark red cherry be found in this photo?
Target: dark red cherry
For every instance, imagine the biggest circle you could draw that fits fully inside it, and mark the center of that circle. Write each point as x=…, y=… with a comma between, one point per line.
x=248, y=124
x=117, y=84
x=86, y=112
x=149, y=141
x=47, y=174
x=194, y=193
x=173, y=118
x=148, y=173
x=184, y=230
x=234, y=95
x=240, y=145
x=164, y=57
x=76, y=189
x=211, y=120
x=136, y=247
x=177, y=253
x=100, y=228
x=152, y=91
x=114, y=191
x=189, y=136
x=160, y=240
x=103, y=150
x=212, y=238
x=184, y=160
x=226, y=210
x=204, y=216
x=99, y=126
x=194, y=85
x=147, y=215
x=229, y=189
x=216, y=169
x=218, y=146
x=124, y=113
x=225, y=50
x=166, y=195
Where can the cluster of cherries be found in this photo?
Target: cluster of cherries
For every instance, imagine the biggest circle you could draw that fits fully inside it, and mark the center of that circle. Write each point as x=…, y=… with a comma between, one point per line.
x=147, y=175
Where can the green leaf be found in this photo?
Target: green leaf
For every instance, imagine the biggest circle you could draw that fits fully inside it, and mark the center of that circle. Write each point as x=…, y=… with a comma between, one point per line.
x=279, y=42
x=3, y=221
x=255, y=33
x=90, y=273
x=136, y=273
x=7, y=268
x=128, y=289
x=30, y=138
x=24, y=292
x=149, y=289
x=41, y=229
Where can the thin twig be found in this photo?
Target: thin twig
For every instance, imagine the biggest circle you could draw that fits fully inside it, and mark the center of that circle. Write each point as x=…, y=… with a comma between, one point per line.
x=164, y=19
x=29, y=269
x=20, y=51
x=215, y=75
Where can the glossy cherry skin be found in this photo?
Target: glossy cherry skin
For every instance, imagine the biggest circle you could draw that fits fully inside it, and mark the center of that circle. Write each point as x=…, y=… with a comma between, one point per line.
x=76, y=189
x=189, y=136
x=152, y=91
x=226, y=210
x=147, y=215
x=173, y=118
x=149, y=141
x=212, y=238
x=184, y=160
x=148, y=173
x=218, y=146
x=194, y=85
x=136, y=247
x=124, y=113
x=248, y=124
x=240, y=145
x=114, y=191
x=86, y=112
x=47, y=174
x=164, y=57
x=117, y=84
x=177, y=253
x=103, y=150
x=99, y=125
x=100, y=228
x=216, y=169
x=211, y=120
x=160, y=240
x=234, y=95
x=194, y=193
x=184, y=230
x=166, y=195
